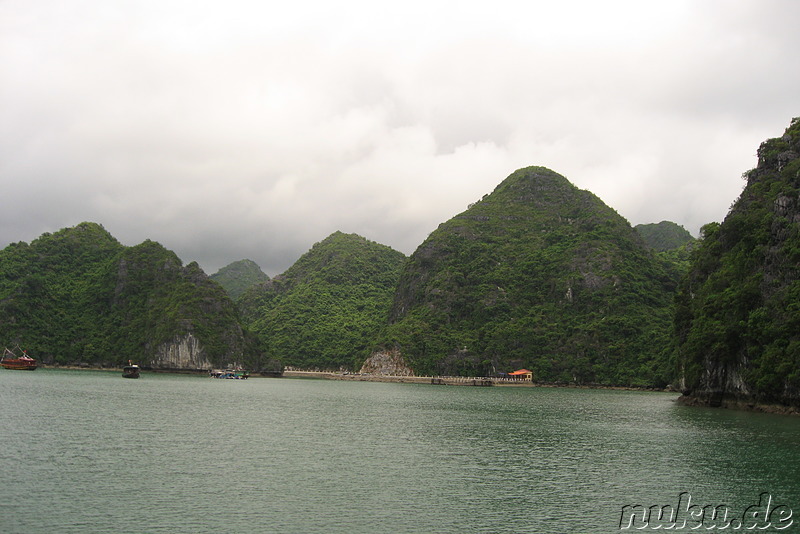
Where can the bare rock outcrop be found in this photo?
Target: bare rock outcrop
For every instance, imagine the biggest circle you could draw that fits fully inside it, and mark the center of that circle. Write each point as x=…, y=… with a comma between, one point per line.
x=386, y=362
x=184, y=352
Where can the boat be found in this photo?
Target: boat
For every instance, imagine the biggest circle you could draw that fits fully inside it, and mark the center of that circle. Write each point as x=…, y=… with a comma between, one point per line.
x=229, y=374
x=130, y=371
x=21, y=362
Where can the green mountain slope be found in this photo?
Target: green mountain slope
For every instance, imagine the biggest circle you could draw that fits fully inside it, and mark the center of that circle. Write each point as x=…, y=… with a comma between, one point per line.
x=538, y=274
x=738, y=312
x=238, y=276
x=672, y=243
x=664, y=236
x=79, y=297
x=325, y=310
x=47, y=300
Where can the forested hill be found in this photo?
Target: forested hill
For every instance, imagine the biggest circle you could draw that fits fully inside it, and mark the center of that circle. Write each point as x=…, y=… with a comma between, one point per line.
x=537, y=274
x=738, y=312
x=672, y=243
x=78, y=296
x=664, y=236
x=325, y=310
x=239, y=276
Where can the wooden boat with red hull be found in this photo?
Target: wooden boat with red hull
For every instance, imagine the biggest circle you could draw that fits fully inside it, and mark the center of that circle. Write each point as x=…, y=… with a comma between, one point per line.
x=24, y=362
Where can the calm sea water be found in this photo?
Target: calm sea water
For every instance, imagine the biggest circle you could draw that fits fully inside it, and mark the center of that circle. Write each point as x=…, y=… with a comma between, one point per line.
x=90, y=452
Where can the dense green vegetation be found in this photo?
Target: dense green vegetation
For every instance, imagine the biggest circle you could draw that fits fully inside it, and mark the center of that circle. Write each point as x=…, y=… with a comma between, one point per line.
x=48, y=303
x=542, y=275
x=738, y=314
x=672, y=243
x=324, y=311
x=664, y=236
x=239, y=276
x=79, y=297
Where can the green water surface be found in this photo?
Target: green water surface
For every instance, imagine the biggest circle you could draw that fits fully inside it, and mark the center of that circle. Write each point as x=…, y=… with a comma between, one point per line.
x=90, y=452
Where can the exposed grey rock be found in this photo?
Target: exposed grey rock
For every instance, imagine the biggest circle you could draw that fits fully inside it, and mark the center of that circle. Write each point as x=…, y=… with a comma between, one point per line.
x=387, y=362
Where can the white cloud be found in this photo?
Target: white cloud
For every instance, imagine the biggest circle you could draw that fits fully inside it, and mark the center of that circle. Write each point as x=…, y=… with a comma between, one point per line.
x=253, y=129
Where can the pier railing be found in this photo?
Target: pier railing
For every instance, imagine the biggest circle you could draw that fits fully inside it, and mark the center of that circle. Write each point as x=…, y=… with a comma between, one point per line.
x=417, y=379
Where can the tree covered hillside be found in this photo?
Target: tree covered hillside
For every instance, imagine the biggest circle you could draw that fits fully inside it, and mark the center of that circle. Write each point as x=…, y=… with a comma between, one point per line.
x=48, y=292
x=738, y=313
x=665, y=235
x=538, y=274
x=239, y=276
x=79, y=297
x=672, y=243
x=325, y=310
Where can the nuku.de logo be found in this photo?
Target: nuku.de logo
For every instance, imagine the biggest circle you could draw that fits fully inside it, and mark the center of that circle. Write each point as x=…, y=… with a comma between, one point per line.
x=766, y=515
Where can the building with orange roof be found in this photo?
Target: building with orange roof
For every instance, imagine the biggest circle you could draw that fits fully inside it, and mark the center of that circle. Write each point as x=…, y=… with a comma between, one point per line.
x=522, y=374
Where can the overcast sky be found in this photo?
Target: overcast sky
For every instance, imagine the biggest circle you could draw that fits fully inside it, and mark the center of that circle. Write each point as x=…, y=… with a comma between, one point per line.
x=253, y=129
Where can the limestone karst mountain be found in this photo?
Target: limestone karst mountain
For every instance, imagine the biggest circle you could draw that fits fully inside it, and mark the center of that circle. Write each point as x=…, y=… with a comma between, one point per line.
x=538, y=274
x=79, y=297
x=325, y=311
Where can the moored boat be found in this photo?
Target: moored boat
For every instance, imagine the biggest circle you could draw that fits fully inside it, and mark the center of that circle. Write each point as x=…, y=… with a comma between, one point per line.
x=130, y=371
x=16, y=362
x=229, y=373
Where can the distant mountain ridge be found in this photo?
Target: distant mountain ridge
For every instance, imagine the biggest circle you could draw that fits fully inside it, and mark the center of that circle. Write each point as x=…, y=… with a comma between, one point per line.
x=238, y=276
x=664, y=236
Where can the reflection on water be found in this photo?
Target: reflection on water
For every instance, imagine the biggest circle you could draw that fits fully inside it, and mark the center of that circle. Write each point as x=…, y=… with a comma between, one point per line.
x=86, y=451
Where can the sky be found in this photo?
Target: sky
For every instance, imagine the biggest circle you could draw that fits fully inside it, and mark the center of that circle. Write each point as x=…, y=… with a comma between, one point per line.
x=254, y=129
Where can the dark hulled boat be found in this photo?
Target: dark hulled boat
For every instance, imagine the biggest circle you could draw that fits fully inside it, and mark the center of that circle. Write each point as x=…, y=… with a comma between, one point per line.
x=130, y=371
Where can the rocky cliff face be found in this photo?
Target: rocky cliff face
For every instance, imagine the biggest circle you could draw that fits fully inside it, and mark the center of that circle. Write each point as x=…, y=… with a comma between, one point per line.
x=183, y=352
x=387, y=362
x=737, y=317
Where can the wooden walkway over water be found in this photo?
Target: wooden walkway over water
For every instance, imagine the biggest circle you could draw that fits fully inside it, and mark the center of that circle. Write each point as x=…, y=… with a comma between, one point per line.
x=479, y=381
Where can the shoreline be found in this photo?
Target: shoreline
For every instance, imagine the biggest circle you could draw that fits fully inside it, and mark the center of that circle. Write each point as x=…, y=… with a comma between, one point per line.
x=399, y=379
x=727, y=404
x=120, y=369
x=741, y=405
x=456, y=381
